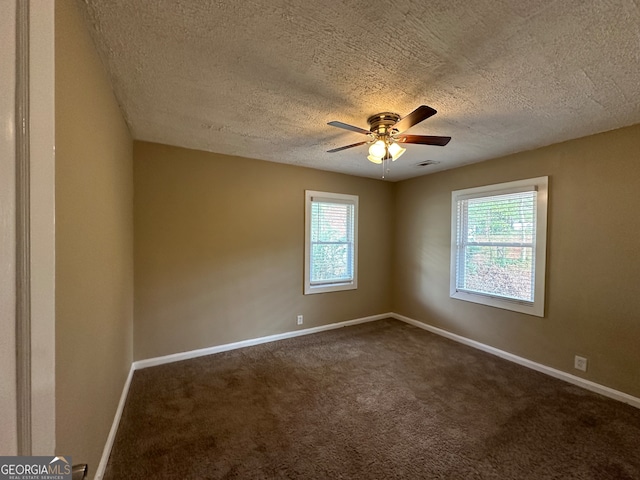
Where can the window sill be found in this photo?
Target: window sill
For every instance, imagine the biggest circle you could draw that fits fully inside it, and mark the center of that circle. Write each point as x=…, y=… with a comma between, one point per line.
x=529, y=308
x=334, y=287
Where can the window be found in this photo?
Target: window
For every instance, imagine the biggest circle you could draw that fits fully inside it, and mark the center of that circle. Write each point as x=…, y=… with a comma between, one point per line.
x=498, y=250
x=331, y=242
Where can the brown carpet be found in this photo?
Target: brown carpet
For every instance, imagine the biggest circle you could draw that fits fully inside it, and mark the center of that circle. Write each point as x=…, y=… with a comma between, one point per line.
x=381, y=400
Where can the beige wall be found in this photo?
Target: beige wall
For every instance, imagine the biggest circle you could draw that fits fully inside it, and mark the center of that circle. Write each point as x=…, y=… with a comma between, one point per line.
x=593, y=267
x=219, y=249
x=94, y=244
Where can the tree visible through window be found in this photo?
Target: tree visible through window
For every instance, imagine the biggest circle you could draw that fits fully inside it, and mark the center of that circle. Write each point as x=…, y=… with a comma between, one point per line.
x=496, y=245
x=496, y=248
x=331, y=242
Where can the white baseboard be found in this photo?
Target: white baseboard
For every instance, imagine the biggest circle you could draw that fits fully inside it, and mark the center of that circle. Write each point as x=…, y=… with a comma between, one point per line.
x=567, y=377
x=114, y=428
x=176, y=357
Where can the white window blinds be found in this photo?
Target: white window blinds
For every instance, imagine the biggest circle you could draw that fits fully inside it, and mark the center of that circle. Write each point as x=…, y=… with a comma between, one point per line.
x=332, y=241
x=496, y=244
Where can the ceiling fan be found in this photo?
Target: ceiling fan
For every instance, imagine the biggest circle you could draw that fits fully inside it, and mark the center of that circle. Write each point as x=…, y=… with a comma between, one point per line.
x=385, y=134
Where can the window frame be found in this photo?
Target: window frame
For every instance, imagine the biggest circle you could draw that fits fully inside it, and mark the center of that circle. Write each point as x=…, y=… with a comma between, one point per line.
x=537, y=307
x=309, y=288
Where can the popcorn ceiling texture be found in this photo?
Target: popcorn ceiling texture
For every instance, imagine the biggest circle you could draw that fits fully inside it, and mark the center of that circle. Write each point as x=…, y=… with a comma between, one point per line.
x=261, y=78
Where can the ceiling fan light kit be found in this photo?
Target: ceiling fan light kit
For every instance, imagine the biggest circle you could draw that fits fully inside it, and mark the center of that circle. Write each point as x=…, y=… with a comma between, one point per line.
x=384, y=150
x=386, y=134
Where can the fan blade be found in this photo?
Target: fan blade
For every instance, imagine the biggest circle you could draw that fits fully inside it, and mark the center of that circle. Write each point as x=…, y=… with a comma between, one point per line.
x=423, y=139
x=346, y=126
x=344, y=148
x=418, y=115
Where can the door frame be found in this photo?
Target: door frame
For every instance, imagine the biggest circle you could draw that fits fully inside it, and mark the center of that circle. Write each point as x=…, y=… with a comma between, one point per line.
x=8, y=392
x=28, y=320
x=41, y=182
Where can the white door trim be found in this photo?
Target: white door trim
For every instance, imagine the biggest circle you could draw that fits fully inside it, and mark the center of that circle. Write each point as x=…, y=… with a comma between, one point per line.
x=35, y=228
x=42, y=223
x=8, y=393
x=23, y=232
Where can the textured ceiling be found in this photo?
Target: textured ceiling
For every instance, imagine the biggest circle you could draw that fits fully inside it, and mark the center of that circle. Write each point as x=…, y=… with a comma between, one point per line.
x=261, y=78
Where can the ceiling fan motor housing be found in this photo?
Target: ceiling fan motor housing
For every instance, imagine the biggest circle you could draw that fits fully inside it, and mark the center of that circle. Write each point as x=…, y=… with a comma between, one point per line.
x=382, y=123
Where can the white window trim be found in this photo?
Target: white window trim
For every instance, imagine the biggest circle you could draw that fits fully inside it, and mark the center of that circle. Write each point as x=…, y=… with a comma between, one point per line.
x=334, y=287
x=536, y=307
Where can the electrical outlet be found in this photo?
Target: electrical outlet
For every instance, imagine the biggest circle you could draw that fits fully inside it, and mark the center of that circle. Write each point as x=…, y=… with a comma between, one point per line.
x=300, y=320
x=580, y=363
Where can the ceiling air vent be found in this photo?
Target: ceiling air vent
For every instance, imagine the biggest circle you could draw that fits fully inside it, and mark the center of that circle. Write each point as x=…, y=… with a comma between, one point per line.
x=426, y=163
